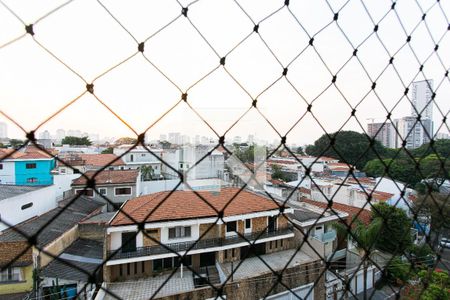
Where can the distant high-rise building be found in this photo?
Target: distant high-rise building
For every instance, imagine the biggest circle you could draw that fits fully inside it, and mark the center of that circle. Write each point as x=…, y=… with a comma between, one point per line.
x=383, y=132
x=3, y=130
x=442, y=136
x=76, y=133
x=44, y=135
x=251, y=139
x=162, y=137
x=60, y=134
x=421, y=94
x=175, y=138
x=413, y=132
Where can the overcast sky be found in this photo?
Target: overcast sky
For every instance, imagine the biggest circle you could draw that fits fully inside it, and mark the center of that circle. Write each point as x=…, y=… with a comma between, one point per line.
x=33, y=84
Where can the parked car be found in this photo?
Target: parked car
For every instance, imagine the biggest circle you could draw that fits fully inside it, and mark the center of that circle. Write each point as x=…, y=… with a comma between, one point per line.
x=444, y=244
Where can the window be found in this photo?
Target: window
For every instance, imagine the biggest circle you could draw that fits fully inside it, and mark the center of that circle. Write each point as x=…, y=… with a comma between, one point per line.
x=10, y=274
x=28, y=205
x=125, y=191
x=135, y=267
x=225, y=254
x=231, y=226
x=170, y=263
x=131, y=157
x=1, y=166
x=63, y=171
x=30, y=165
x=179, y=232
x=102, y=191
x=88, y=192
x=272, y=223
x=248, y=223
x=32, y=180
x=128, y=242
x=232, y=252
x=143, y=154
x=143, y=266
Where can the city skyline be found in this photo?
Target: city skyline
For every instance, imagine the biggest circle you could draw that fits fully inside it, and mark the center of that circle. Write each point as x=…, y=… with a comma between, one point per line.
x=139, y=92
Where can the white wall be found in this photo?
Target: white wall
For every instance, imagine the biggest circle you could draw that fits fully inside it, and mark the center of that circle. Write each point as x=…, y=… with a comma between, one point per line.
x=62, y=183
x=150, y=187
x=43, y=200
x=195, y=233
x=7, y=174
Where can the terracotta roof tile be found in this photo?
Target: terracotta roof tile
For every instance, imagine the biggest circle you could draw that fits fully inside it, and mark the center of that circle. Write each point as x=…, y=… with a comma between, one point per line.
x=365, y=216
x=28, y=153
x=101, y=160
x=109, y=177
x=179, y=205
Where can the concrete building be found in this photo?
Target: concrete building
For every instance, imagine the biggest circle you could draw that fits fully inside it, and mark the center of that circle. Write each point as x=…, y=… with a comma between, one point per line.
x=186, y=157
x=421, y=94
x=413, y=132
x=384, y=132
x=19, y=203
x=27, y=166
x=3, y=130
x=81, y=163
x=21, y=258
x=116, y=185
x=183, y=225
x=139, y=156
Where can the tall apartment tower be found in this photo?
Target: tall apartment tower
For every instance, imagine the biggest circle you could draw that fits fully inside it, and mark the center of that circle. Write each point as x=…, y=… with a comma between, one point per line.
x=3, y=130
x=421, y=93
x=383, y=132
x=414, y=133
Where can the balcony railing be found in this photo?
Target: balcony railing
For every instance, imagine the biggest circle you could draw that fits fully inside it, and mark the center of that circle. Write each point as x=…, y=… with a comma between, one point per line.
x=328, y=236
x=194, y=245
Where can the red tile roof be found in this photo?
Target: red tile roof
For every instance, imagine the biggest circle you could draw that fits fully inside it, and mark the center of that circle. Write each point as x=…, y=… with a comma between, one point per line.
x=180, y=205
x=101, y=160
x=364, y=216
x=27, y=153
x=109, y=177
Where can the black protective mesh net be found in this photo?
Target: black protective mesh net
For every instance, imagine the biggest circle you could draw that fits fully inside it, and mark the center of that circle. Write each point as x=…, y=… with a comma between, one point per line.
x=294, y=67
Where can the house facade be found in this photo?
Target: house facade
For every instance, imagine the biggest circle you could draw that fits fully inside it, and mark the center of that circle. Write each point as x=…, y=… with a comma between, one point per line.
x=174, y=225
x=200, y=243
x=29, y=166
x=116, y=185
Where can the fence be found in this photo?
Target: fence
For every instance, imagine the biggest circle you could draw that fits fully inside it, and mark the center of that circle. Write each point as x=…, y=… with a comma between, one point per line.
x=289, y=70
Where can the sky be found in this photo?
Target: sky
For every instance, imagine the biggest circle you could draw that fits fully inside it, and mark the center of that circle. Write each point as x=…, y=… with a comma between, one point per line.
x=34, y=85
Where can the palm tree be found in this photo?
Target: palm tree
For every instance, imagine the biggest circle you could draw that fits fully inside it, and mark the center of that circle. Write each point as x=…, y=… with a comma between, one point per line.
x=147, y=173
x=365, y=237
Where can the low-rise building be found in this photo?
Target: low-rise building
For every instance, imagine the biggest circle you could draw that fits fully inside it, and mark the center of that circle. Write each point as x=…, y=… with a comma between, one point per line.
x=186, y=242
x=19, y=203
x=81, y=163
x=26, y=166
x=32, y=244
x=116, y=185
x=139, y=156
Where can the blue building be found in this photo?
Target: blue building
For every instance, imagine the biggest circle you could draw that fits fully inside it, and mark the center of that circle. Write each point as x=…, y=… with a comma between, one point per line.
x=27, y=167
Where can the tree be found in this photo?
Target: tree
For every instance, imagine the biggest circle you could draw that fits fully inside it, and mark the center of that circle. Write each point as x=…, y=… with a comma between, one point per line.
x=300, y=151
x=365, y=237
x=15, y=143
x=351, y=147
x=147, y=173
x=399, y=271
x=277, y=173
x=125, y=141
x=108, y=150
x=395, y=235
x=440, y=147
x=436, y=205
x=401, y=169
x=76, y=141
